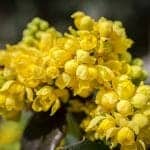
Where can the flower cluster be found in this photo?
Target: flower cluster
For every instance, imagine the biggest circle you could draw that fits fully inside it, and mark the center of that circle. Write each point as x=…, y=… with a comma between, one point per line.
x=47, y=68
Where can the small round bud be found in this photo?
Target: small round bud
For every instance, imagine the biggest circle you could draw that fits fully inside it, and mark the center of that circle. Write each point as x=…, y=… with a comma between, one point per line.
x=36, y=21
x=52, y=72
x=124, y=107
x=144, y=89
x=105, y=125
x=28, y=40
x=82, y=72
x=140, y=119
x=125, y=136
x=109, y=100
x=27, y=33
x=92, y=73
x=86, y=23
x=139, y=100
x=82, y=56
x=126, y=56
x=125, y=89
x=71, y=66
x=137, y=62
x=32, y=28
x=38, y=34
x=105, y=27
x=136, y=72
x=104, y=74
x=144, y=75
x=44, y=25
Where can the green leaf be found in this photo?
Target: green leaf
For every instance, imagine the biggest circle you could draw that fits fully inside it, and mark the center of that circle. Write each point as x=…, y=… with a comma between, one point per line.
x=73, y=130
x=87, y=145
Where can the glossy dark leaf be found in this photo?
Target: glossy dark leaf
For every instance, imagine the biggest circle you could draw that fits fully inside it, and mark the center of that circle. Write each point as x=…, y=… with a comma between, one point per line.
x=87, y=145
x=73, y=130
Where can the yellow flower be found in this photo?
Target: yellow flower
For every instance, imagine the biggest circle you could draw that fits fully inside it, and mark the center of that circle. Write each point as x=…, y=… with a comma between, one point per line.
x=104, y=27
x=84, y=88
x=63, y=81
x=139, y=100
x=84, y=57
x=125, y=136
x=52, y=72
x=109, y=100
x=45, y=99
x=126, y=56
x=104, y=74
x=82, y=72
x=105, y=46
x=82, y=22
x=71, y=66
x=12, y=96
x=124, y=107
x=144, y=89
x=87, y=40
x=46, y=42
x=105, y=125
x=140, y=120
x=125, y=89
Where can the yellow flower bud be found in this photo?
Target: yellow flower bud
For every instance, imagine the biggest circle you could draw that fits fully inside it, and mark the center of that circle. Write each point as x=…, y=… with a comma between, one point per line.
x=86, y=23
x=94, y=122
x=82, y=22
x=46, y=42
x=45, y=98
x=88, y=41
x=52, y=72
x=63, y=80
x=124, y=107
x=125, y=89
x=105, y=125
x=55, y=107
x=83, y=91
x=99, y=95
x=140, y=120
x=104, y=74
x=57, y=55
x=71, y=66
x=105, y=46
x=82, y=72
x=82, y=56
x=92, y=73
x=126, y=56
x=109, y=100
x=144, y=89
x=137, y=62
x=139, y=100
x=125, y=136
x=29, y=94
x=136, y=72
x=105, y=27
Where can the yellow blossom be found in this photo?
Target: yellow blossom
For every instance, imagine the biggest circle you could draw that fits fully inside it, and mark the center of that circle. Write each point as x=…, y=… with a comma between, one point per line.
x=125, y=136
x=88, y=41
x=105, y=125
x=124, y=107
x=109, y=100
